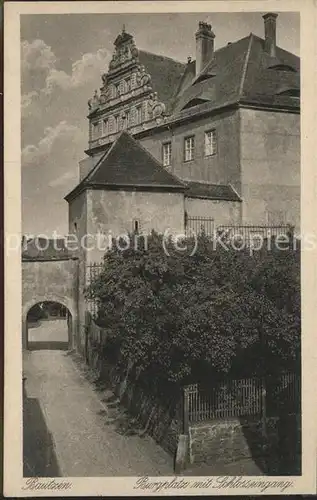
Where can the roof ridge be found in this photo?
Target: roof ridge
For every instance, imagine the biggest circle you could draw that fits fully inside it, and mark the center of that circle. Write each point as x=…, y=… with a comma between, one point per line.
x=84, y=179
x=233, y=43
x=103, y=157
x=260, y=39
x=245, y=65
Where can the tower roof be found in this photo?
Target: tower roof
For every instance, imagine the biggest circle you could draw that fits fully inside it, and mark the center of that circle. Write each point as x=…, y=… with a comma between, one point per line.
x=127, y=165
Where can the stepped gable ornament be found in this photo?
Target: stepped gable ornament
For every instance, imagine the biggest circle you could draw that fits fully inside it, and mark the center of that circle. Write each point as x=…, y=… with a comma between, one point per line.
x=157, y=107
x=125, y=49
x=105, y=90
x=144, y=77
x=94, y=102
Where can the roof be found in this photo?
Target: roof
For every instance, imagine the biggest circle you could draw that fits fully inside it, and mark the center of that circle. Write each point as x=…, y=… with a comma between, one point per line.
x=211, y=191
x=241, y=71
x=166, y=74
x=45, y=249
x=128, y=165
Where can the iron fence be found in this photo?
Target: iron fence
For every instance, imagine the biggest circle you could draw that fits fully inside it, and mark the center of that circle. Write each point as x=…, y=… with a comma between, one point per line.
x=199, y=225
x=238, y=398
x=248, y=233
x=93, y=270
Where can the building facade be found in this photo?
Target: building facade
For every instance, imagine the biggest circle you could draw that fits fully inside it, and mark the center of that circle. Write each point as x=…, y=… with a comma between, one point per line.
x=213, y=139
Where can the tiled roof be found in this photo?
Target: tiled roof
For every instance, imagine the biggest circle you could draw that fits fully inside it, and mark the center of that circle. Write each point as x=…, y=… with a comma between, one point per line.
x=211, y=191
x=45, y=249
x=165, y=74
x=240, y=71
x=127, y=164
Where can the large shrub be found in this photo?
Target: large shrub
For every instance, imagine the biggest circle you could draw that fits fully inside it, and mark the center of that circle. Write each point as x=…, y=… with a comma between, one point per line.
x=173, y=318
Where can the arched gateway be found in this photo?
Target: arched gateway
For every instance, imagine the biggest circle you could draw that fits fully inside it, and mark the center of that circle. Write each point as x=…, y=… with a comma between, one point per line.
x=50, y=278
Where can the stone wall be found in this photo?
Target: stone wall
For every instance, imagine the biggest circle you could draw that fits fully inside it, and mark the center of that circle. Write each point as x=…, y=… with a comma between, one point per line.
x=113, y=213
x=162, y=422
x=77, y=221
x=223, y=212
x=270, y=166
x=234, y=439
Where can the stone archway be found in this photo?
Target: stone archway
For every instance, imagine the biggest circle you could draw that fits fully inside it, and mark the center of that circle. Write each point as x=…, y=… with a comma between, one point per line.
x=50, y=281
x=67, y=303
x=46, y=329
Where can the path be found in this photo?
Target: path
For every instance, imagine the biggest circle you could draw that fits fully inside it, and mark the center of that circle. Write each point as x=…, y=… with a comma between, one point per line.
x=65, y=412
x=48, y=331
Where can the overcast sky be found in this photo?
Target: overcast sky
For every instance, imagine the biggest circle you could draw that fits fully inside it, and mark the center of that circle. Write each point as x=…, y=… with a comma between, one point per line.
x=62, y=59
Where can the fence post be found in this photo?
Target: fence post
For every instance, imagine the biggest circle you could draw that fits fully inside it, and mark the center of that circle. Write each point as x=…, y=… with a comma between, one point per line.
x=185, y=411
x=263, y=406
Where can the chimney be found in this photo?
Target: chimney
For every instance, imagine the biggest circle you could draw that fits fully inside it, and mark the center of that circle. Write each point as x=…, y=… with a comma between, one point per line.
x=270, y=33
x=204, y=45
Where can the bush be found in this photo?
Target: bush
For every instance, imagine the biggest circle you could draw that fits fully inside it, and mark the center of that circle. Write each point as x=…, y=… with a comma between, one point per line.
x=176, y=319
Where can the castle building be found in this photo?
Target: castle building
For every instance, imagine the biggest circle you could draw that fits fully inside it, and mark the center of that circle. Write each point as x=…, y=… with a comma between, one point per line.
x=212, y=142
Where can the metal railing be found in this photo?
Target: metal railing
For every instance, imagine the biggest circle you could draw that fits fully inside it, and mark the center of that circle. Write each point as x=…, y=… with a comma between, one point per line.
x=238, y=398
x=93, y=270
x=199, y=225
x=251, y=232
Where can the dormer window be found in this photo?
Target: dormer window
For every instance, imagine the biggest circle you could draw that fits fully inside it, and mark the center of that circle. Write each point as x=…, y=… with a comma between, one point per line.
x=290, y=92
x=283, y=67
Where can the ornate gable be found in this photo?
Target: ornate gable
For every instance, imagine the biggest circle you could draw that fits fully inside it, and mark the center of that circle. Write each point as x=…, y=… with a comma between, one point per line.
x=126, y=100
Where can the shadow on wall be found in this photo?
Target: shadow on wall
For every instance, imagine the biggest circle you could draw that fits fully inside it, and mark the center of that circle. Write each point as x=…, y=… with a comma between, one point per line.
x=39, y=459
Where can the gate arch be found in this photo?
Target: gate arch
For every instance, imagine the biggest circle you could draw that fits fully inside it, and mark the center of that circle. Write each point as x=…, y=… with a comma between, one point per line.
x=69, y=320
x=50, y=281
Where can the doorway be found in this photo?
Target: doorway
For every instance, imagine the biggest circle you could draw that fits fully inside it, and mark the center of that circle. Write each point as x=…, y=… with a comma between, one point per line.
x=49, y=326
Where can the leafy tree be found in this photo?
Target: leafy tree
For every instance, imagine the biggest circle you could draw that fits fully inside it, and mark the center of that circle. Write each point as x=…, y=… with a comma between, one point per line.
x=172, y=318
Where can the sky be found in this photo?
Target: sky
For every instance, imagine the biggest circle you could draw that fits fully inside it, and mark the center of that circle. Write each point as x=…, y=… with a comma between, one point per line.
x=62, y=59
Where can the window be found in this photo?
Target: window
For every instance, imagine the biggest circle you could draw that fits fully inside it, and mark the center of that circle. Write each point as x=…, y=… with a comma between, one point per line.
x=138, y=115
x=210, y=143
x=128, y=84
x=126, y=119
x=95, y=130
x=105, y=125
x=117, y=90
x=167, y=154
x=117, y=123
x=136, y=226
x=189, y=148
